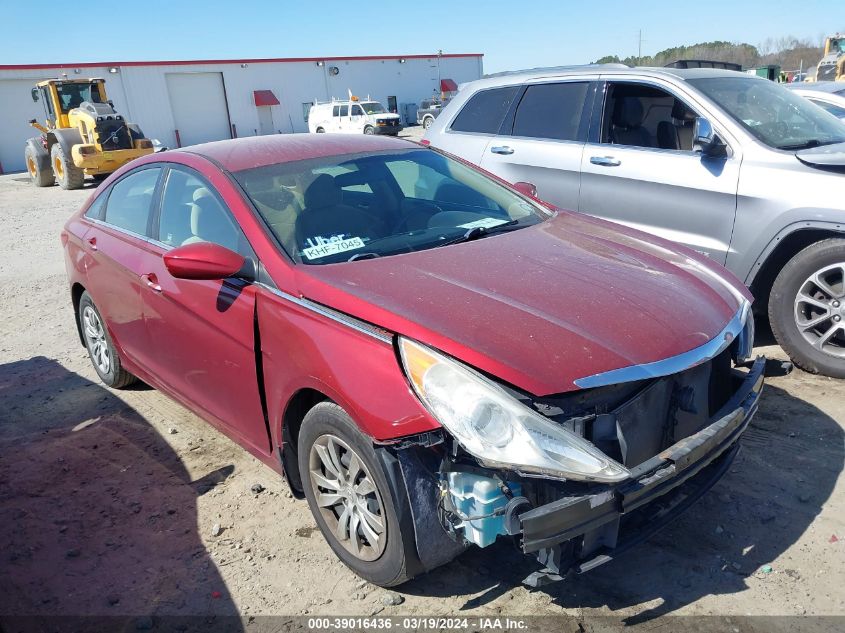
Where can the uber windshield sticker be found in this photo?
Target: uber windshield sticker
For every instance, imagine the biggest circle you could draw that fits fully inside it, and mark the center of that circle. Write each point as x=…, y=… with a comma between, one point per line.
x=317, y=247
x=484, y=223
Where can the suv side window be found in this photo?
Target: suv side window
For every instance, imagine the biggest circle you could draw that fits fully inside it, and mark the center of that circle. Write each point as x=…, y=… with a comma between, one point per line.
x=640, y=115
x=336, y=111
x=552, y=111
x=130, y=199
x=357, y=110
x=344, y=110
x=484, y=112
x=192, y=212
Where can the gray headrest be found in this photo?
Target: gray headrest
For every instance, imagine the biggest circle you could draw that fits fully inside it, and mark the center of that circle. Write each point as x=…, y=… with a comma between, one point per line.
x=628, y=112
x=681, y=112
x=322, y=193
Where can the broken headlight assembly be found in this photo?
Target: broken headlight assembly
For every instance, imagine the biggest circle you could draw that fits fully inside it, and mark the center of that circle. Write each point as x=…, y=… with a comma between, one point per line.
x=494, y=427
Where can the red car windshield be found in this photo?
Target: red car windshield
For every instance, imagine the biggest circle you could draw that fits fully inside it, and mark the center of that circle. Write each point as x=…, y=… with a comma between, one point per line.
x=358, y=206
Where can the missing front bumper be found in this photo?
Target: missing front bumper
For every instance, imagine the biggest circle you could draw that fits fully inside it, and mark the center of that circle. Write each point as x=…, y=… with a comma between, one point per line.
x=582, y=532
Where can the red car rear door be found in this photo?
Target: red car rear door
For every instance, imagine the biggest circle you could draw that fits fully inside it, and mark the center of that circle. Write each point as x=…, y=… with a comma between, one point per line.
x=114, y=247
x=201, y=333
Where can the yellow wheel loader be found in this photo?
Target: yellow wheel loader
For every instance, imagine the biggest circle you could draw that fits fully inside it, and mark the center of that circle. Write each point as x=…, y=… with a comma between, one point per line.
x=82, y=135
x=832, y=65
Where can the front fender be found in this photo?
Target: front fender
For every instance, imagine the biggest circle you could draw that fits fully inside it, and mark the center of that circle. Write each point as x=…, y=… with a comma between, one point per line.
x=820, y=225
x=66, y=138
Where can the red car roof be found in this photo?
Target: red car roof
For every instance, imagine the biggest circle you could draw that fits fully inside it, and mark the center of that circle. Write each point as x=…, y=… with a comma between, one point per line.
x=258, y=151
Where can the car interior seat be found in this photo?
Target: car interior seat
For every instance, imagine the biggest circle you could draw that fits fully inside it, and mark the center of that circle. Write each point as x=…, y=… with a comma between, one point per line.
x=325, y=215
x=626, y=128
x=677, y=133
x=210, y=223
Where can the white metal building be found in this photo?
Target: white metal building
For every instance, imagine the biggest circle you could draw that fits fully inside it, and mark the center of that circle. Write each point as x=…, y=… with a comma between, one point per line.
x=187, y=102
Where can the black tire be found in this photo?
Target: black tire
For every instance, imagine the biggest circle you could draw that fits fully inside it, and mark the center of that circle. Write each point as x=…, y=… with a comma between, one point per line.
x=320, y=130
x=68, y=175
x=100, y=177
x=390, y=568
x=40, y=177
x=115, y=377
x=369, y=130
x=782, y=309
x=427, y=121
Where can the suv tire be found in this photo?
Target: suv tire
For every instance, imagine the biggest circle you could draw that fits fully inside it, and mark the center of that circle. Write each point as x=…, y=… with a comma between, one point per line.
x=328, y=430
x=369, y=130
x=797, y=300
x=427, y=121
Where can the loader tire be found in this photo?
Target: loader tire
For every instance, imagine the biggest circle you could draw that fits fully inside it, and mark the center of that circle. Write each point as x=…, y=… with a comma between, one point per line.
x=40, y=177
x=68, y=175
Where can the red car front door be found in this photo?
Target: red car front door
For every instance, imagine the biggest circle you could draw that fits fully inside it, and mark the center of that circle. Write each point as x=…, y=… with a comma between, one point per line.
x=201, y=333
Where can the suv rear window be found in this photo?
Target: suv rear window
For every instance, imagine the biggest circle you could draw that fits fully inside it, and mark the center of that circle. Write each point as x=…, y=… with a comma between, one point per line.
x=485, y=111
x=551, y=111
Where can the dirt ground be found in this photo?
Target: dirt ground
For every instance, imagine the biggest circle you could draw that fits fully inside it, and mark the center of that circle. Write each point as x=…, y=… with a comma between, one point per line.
x=108, y=499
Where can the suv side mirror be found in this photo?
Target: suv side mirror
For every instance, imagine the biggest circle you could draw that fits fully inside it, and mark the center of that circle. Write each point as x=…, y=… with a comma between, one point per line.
x=704, y=139
x=34, y=94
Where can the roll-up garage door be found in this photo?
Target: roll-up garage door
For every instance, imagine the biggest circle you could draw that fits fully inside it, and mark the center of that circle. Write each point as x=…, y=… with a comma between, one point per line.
x=198, y=102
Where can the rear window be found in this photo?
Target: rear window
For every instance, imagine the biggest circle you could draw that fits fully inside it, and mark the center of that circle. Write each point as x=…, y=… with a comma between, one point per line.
x=551, y=111
x=484, y=112
x=130, y=199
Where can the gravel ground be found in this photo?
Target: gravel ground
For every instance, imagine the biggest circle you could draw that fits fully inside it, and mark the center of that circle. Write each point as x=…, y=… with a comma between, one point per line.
x=124, y=503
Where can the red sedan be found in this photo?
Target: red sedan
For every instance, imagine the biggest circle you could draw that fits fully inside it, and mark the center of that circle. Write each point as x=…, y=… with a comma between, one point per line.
x=431, y=357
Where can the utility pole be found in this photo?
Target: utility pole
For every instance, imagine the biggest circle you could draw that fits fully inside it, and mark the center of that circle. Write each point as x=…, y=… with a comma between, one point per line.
x=640, y=46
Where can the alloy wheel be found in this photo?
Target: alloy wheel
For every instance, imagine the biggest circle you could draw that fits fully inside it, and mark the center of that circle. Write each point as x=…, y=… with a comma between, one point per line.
x=348, y=497
x=820, y=310
x=95, y=336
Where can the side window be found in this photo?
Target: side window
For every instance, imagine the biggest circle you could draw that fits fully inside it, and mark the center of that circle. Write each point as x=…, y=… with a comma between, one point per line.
x=834, y=110
x=344, y=110
x=640, y=115
x=551, y=111
x=130, y=199
x=191, y=212
x=336, y=111
x=357, y=110
x=484, y=112
x=95, y=211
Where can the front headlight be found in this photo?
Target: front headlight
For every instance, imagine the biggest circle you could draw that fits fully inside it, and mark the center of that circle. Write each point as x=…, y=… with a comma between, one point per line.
x=496, y=428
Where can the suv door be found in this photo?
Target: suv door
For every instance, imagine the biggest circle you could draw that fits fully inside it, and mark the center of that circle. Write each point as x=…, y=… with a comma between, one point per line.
x=542, y=140
x=640, y=168
x=201, y=333
x=477, y=123
x=114, y=245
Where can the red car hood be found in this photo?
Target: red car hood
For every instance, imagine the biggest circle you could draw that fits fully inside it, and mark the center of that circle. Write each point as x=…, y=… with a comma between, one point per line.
x=542, y=306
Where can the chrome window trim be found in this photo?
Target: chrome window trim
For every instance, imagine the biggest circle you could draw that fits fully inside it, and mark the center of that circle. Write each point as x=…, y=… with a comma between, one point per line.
x=339, y=317
x=673, y=364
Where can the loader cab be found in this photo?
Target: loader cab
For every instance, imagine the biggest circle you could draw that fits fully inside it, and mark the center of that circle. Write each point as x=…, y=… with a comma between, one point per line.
x=61, y=96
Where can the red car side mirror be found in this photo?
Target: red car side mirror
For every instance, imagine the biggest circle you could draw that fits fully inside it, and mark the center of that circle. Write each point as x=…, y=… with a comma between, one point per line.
x=526, y=188
x=203, y=260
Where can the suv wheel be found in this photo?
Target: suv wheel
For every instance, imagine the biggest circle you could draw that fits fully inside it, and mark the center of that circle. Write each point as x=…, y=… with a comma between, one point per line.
x=349, y=496
x=369, y=130
x=807, y=308
x=427, y=121
x=320, y=130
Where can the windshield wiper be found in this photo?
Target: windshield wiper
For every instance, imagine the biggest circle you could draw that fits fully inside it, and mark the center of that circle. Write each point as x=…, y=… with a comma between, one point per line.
x=477, y=232
x=813, y=142
x=358, y=256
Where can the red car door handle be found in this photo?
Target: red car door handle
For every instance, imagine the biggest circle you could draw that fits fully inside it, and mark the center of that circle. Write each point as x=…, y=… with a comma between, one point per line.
x=152, y=282
x=92, y=241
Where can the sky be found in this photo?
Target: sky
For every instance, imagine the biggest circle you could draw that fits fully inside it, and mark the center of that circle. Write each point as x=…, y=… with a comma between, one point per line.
x=512, y=35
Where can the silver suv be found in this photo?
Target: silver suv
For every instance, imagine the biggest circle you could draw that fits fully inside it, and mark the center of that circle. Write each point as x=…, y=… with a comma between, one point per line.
x=728, y=164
